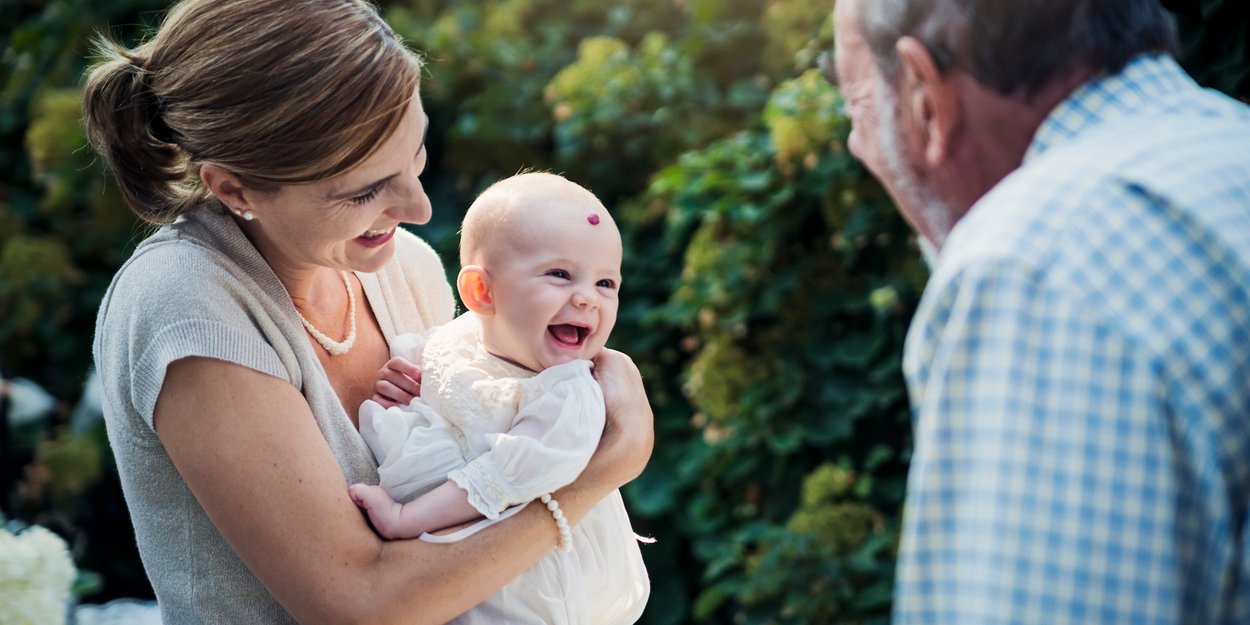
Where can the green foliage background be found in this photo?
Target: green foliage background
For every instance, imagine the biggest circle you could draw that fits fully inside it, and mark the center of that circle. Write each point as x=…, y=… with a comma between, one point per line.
x=768, y=282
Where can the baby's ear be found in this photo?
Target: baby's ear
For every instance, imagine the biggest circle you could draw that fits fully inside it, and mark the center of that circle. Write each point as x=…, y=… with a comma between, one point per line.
x=473, y=283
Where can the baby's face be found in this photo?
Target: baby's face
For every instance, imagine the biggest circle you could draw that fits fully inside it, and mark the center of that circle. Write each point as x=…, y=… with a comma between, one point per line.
x=555, y=289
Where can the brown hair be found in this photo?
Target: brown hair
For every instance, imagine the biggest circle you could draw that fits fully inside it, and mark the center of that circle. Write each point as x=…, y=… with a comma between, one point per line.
x=274, y=91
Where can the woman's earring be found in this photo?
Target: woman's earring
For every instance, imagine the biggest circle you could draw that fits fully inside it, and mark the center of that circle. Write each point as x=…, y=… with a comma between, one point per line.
x=247, y=215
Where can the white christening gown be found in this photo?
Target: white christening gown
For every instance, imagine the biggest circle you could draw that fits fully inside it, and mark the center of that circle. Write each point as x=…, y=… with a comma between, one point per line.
x=507, y=436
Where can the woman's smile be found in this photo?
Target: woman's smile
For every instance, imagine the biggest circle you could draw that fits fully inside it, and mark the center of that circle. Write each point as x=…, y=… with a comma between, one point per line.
x=376, y=238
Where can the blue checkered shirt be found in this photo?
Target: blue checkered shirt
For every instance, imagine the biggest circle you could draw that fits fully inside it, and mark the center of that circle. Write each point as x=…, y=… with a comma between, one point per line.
x=1079, y=368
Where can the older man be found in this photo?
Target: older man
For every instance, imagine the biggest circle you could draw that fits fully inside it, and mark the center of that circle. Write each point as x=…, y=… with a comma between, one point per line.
x=1080, y=362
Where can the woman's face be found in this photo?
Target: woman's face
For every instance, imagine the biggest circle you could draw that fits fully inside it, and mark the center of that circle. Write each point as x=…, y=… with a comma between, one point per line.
x=348, y=222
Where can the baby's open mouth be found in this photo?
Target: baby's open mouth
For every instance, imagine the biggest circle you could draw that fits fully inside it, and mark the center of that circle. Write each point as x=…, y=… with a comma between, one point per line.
x=568, y=334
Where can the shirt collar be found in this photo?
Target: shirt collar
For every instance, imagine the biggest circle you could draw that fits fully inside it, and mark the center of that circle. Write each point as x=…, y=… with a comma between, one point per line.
x=1143, y=82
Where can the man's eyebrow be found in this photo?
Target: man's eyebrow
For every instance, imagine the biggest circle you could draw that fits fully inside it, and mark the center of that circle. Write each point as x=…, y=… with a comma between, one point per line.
x=336, y=196
x=828, y=67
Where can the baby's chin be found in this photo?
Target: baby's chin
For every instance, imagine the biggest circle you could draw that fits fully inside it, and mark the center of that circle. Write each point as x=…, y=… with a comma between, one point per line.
x=567, y=358
x=561, y=360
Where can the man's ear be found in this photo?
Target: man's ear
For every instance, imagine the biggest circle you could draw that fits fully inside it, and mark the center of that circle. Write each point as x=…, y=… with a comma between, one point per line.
x=473, y=283
x=929, y=99
x=227, y=188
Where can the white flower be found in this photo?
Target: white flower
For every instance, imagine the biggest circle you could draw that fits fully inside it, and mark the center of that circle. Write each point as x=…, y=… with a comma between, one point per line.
x=36, y=573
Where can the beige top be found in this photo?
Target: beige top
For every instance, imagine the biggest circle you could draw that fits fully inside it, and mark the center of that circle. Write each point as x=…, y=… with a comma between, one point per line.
x=199, y=288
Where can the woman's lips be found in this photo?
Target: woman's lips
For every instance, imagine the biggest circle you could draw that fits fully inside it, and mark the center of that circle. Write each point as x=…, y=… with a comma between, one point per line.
x=375, y=238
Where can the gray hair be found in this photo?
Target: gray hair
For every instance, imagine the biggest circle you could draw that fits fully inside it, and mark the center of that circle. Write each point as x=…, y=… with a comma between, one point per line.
x=1018, y=47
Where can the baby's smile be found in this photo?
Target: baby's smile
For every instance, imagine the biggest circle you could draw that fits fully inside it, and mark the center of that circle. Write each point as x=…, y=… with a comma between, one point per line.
x=568, y=334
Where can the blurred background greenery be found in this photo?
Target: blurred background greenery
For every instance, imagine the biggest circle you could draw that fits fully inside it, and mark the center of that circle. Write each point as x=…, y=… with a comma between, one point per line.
x=768, y=284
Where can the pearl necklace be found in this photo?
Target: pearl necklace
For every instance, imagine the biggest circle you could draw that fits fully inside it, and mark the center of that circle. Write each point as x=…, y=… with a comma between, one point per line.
x=336, y=348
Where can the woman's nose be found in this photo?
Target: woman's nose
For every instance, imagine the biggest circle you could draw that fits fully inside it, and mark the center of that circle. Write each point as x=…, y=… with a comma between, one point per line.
x=411, y=205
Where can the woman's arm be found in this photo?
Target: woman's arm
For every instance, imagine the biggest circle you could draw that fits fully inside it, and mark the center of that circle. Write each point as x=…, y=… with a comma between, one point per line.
x=249, y=448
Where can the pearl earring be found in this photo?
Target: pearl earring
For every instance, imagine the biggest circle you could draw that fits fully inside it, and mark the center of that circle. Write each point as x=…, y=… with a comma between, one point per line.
x=247, y=215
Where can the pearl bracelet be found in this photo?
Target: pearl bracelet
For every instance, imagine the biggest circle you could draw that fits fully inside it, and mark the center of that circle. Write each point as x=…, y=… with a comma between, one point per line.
x=562, y=524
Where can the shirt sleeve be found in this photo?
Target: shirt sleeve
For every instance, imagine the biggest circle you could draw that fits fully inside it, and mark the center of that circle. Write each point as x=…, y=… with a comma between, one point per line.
x=1041, y=489
x=548, y=446
x=169, y=304
x=415, y=447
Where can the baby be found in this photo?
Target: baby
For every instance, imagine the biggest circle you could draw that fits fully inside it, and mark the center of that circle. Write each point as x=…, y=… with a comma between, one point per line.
x=508, y=409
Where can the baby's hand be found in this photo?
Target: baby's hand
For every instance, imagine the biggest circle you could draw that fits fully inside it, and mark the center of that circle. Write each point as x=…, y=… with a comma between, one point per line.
x=399, y=382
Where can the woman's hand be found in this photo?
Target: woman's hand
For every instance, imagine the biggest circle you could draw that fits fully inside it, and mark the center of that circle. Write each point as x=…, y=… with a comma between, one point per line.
x=629, y=433
x=399, y=381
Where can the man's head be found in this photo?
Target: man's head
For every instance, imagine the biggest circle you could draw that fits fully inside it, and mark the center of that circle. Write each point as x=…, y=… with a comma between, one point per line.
x=1020, y=47
x=945, y=95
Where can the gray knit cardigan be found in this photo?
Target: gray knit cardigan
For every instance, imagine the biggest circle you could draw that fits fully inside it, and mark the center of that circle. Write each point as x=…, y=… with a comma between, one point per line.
x=199, y=288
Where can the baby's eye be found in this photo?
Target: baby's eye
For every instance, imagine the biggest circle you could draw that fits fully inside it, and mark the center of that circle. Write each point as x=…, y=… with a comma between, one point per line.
x=559, y=273
x=606, y=284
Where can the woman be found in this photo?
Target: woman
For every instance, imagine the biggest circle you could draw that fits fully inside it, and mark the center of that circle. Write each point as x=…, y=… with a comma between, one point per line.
x=281, y=143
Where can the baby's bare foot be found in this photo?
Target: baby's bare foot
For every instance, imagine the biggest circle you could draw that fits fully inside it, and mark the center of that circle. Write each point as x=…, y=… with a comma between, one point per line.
x=384, y=512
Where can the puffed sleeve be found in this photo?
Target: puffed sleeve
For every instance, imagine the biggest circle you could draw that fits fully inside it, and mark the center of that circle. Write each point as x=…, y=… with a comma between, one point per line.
x=549, y=445
x=414, y=446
